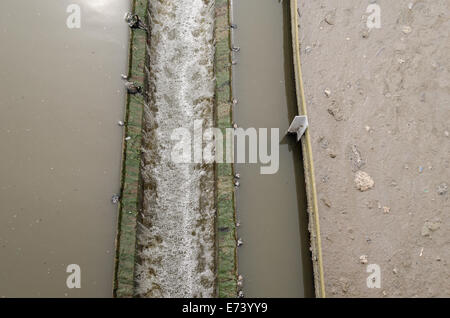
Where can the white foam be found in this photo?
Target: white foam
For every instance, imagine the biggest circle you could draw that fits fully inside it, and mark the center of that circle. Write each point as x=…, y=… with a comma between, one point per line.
x=176, y=237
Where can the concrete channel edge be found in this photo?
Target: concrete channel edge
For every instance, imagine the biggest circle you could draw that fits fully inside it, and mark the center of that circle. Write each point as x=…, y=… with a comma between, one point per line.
x=225, y=199
x=129, y=206
x=311, y=192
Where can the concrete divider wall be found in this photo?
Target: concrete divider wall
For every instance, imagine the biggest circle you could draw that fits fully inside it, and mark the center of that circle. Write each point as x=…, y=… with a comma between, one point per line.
x=225, y=221
x=130, y=193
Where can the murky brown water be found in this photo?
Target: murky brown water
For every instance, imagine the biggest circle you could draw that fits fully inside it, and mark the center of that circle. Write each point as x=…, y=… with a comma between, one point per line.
x=274, y=258
x=61, y=96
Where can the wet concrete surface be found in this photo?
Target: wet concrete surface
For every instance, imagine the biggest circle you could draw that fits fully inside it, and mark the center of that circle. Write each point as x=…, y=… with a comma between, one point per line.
x=61, y=97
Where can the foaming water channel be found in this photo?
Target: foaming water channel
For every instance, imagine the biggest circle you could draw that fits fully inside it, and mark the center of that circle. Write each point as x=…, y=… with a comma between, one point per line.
x=274, y=259
x=176, y=228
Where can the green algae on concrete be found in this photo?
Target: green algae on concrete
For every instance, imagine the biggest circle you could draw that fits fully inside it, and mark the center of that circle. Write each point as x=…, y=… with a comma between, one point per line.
x=226, y=221
x=130, y=192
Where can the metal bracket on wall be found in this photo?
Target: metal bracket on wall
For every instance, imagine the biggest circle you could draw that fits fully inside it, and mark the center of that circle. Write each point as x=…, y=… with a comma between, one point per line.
x=298, y=126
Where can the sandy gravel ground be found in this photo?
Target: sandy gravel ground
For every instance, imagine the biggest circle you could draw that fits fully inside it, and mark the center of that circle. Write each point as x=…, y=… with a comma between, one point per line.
x=379, y=108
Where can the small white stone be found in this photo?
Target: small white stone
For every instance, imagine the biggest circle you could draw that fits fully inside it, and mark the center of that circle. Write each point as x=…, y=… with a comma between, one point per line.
x=406, y=29
x=363, y=181
x=363, y=259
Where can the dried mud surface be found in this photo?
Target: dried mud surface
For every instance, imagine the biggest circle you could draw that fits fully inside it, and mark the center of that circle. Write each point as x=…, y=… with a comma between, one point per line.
x=379, y=112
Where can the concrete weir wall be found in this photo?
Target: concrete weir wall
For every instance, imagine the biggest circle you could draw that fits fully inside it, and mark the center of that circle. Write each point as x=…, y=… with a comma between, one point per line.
x=176, y=237
x=226, y=235
x=130, y=202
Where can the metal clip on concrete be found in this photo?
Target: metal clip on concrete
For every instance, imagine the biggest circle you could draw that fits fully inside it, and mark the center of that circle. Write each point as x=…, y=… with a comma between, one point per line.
x=298, y=126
